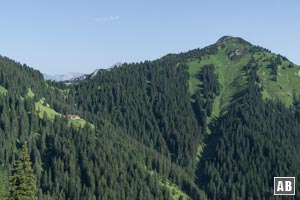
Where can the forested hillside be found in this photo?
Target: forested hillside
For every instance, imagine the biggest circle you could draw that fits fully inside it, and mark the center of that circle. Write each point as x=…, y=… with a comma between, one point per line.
x=212, y=123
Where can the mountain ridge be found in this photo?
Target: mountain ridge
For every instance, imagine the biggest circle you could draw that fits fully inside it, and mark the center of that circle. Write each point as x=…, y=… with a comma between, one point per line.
x=75, y=76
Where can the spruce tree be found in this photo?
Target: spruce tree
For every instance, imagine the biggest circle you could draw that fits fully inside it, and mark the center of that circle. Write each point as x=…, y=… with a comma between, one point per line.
x=22, y=181
x=2, y=186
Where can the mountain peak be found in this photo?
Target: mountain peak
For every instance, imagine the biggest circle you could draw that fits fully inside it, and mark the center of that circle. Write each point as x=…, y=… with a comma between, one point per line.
x=231, y=39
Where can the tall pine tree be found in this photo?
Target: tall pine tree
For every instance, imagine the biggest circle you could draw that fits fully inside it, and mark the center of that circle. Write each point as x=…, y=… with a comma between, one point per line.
x=2, y=186
x=22, y=181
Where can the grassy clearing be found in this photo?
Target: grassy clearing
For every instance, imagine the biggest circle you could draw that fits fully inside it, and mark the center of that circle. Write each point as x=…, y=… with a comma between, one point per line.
x=194, y=83
x=42, y=108
x=230, y=75
x=288, y=80
x=30, y=94
x=200, y=151
x=79, y=123
x=3, y=90
x=175, y=191
x=196, y=66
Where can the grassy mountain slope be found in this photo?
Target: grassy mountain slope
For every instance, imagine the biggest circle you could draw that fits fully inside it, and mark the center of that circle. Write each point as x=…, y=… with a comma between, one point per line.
x=240, y=68
x=288, y=78
x=232, y=55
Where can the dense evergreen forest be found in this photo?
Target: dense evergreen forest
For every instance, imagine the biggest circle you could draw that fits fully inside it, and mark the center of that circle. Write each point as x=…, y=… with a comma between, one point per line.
x=212, y=123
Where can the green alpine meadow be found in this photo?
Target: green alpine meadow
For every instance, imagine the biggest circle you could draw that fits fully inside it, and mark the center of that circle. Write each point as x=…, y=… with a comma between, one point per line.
x=213, y=123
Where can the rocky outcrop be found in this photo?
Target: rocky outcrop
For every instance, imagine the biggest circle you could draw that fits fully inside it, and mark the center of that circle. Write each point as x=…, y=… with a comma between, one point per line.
x=238, y=52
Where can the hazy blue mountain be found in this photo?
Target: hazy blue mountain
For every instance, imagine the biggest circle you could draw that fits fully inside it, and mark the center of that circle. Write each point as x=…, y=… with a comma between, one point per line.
x=62, y=77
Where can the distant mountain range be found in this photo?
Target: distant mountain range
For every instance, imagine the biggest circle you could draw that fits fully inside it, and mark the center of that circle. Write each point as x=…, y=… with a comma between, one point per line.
x=62, y=77
x=73, y=76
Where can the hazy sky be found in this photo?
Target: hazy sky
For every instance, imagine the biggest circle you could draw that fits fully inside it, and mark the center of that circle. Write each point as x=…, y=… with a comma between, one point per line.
x=59, y=36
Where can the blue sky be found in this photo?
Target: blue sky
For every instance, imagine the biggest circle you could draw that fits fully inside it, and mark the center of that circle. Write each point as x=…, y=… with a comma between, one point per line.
x=61, y=36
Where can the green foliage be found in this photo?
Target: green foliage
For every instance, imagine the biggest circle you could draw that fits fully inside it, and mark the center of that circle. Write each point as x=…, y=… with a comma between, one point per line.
x=176, y=193
x=3, y=188
x=279, y=78
x=79, y=123
x=42, y=108
x=3, y=90
x=17, y=78
x=230, y=75
x=22, y=181
x=49, y=197
x=148, y=101
x=30, y=94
